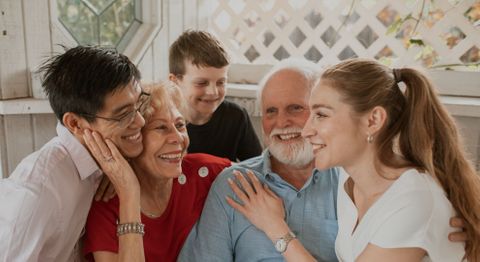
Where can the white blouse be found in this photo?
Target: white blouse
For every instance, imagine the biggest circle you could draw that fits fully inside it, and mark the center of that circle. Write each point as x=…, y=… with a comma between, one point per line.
x=413, y=212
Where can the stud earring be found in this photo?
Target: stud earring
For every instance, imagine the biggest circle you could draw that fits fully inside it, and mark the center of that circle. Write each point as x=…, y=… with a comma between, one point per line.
x=370, y=139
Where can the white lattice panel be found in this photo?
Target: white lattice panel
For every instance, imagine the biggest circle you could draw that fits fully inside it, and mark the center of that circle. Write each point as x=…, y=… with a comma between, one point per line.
x=265, y=31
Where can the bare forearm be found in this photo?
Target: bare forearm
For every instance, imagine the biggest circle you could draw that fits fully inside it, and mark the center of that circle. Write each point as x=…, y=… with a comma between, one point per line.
x=130, y=245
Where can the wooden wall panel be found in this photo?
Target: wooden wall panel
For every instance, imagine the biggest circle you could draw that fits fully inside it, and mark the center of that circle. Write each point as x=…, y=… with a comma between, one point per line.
x=44, y=129
x=37, y=34
x=160, y=47
x=470, y=132
x=175, y=19
x=190, y=14
x=146, y=66
x=19, y=139
x=3, y=150
x=13, y=73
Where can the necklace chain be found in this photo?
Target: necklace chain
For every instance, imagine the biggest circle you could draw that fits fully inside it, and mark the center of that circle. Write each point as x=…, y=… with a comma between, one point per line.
x=149, y=214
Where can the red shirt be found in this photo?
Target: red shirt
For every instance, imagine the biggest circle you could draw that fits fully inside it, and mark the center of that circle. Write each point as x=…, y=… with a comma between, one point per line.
x=165, y=235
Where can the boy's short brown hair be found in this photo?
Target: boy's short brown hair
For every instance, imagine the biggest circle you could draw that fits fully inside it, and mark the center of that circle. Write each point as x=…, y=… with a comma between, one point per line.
x=198, y=47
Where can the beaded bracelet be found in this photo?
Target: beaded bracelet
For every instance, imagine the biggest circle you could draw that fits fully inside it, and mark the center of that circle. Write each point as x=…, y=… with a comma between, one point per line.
x=127, y=228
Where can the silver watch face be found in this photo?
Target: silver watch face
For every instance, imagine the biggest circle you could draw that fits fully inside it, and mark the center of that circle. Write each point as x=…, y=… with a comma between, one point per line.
x=281, y=245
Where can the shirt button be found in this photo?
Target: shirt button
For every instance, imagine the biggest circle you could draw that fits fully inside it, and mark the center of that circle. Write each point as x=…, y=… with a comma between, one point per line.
x=299, y=195
x=203, y=171
x=182, y=179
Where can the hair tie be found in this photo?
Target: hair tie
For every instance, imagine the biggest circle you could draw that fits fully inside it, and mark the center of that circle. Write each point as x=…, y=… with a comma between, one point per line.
x=397, y=75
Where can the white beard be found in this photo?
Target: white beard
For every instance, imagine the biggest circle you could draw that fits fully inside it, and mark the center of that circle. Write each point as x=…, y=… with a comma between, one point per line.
x=298, y=154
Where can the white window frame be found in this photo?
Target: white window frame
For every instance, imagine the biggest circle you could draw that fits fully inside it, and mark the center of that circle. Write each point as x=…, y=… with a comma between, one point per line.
x=140, y=41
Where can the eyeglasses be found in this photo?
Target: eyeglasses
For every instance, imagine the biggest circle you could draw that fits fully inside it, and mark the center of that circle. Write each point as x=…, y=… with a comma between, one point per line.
x=127, y=118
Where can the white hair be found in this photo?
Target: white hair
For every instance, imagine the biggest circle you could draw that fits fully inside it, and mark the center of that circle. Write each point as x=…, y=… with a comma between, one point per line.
x=309, y=70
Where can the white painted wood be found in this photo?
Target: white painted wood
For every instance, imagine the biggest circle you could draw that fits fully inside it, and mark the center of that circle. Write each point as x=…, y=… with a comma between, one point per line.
x=175, y=19
x=60, y=37
x=161, y=46
x=3, y=150
x=13, y=73
x=456, y=82
x=19, y=139
x=470, y=132
x=462, y=106
x=24, y=106
x=146, y=66
x=44, y=129
x=37, y=39
x=143, y=38
x=190, y=13
x=247, y=74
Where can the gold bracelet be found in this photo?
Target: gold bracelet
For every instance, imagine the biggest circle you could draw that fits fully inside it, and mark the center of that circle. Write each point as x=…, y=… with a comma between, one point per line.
x=127, y=228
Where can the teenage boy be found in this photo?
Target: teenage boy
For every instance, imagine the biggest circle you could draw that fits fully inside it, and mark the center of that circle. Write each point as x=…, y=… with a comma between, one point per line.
x=45, y=201
x=198, y=64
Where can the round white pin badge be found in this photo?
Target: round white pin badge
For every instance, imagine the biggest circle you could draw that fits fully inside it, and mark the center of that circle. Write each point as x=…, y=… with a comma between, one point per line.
x=203, y=171
x=182, y=179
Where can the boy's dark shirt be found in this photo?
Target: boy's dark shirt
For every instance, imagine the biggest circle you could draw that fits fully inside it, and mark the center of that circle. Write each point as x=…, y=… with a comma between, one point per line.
x=229, y=133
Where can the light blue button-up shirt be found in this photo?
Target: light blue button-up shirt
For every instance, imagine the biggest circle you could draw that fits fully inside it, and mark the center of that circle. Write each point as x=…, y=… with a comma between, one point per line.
x=223, y=234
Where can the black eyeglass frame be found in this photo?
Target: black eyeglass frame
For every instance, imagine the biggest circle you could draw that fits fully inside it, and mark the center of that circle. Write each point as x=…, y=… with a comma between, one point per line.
x=143, y=99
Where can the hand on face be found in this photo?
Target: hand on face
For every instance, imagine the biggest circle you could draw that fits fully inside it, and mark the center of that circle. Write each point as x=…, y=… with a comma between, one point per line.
x=113, y=165
x=263, y=208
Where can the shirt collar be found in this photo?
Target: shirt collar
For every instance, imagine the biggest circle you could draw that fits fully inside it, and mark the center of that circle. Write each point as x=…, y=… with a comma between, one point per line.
x=267, y=170
x=267, y=165
x=82, y=159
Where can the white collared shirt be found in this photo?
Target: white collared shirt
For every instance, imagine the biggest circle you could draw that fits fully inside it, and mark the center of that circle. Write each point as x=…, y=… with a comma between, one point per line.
x=45, y=202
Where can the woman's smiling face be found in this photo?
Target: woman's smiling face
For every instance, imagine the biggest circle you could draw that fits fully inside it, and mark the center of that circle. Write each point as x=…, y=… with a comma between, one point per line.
x=333, y=129
x=165, y=142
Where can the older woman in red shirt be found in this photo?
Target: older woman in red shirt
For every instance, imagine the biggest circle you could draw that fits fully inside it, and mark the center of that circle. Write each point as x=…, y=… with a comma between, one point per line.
x=160, y=194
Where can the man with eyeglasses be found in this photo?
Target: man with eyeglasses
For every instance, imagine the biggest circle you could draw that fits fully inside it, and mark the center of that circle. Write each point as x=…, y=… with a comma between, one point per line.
x=45, y=201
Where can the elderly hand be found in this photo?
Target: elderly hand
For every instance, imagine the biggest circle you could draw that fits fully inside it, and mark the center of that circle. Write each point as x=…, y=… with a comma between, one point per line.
x=263, y=208
x=113, y=165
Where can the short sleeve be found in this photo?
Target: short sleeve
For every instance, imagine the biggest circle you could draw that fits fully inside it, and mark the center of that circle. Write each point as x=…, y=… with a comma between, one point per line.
x=404, y=221
x=100, y=230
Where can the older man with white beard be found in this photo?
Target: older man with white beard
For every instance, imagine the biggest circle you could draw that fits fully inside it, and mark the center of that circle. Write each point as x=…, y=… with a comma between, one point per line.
x=287, y=168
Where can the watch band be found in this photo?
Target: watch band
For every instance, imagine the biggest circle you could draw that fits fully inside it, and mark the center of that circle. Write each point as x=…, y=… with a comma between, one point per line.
x=289, y=237
x=282, y=243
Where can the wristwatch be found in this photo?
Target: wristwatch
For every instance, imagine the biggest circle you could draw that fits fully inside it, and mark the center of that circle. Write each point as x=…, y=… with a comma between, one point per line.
x=282, y=243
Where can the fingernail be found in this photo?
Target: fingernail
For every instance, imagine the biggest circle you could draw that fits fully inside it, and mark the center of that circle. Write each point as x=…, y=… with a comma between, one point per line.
x=230, y=180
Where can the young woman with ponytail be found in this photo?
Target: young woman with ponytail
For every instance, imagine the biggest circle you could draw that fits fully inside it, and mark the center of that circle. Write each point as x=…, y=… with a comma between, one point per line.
x=404, y=170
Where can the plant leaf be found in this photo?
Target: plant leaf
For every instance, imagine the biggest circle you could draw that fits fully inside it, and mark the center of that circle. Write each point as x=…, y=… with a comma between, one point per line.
x=418, y=42
x=395, y=26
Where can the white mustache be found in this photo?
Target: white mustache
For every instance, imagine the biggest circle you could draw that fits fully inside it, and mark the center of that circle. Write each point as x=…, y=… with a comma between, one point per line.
x=284, y=131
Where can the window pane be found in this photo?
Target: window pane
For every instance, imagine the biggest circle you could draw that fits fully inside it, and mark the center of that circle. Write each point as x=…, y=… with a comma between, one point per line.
x=100, y=22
